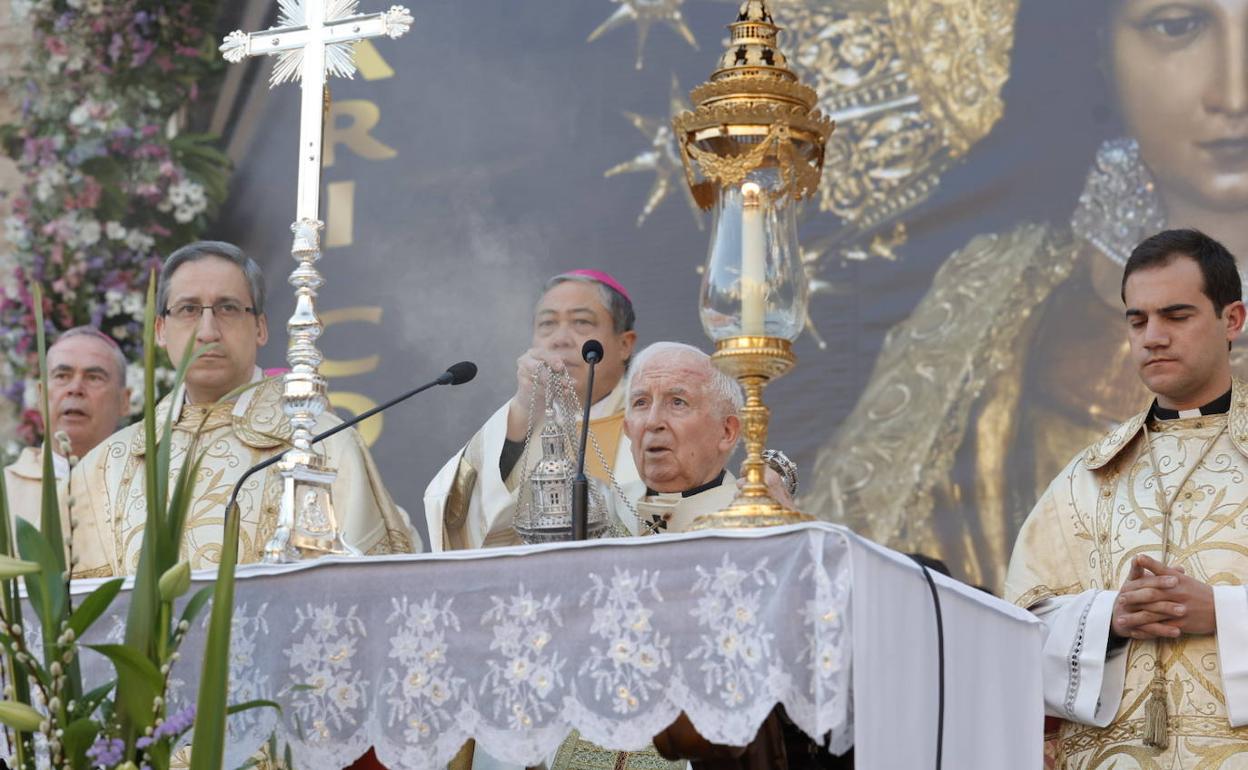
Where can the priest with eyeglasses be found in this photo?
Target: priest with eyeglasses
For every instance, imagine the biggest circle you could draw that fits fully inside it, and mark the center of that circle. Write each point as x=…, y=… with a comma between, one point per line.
x=211, y=296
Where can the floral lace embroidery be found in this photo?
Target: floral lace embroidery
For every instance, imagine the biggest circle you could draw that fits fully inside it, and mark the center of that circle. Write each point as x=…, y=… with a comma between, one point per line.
x=635, y=652
x=734, y=644
x=525, y=672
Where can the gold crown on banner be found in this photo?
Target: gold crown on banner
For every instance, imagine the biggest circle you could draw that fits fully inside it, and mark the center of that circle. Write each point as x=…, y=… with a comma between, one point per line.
x=912, y=85
x=751, y=113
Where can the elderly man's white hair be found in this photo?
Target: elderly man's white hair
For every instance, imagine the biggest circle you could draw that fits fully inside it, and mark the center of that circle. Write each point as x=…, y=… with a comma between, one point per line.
x=721, y=387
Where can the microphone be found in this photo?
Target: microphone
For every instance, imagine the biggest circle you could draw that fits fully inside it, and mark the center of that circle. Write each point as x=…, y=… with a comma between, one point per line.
x=456, y=374
x=591, y=351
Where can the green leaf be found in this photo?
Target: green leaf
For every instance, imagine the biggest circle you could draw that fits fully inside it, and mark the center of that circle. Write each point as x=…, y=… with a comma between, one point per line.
x=175, y=582
x=50, y=509
x=94, y=606
x=214, y=679
x=142, y=622
x=196, y=604
x=19, y=716
x=254, y=704
x=129, y=659
x=46, y=589
x=138, y=680
x=11, y=568
x=78, y=737
x=87, y=704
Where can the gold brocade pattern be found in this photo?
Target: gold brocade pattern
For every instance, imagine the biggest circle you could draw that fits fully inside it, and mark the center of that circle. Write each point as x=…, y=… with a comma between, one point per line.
x=111, y=485
x=891, y=464
x=913, y=86
x=576, y=753
x=1100, y=513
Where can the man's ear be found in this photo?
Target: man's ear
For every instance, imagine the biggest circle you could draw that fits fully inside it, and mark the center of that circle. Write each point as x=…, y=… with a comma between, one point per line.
x=732, y=432
x=262, y=330
x=628, y=341
x=160, y=332
x=1234, y=315
x=125, y=403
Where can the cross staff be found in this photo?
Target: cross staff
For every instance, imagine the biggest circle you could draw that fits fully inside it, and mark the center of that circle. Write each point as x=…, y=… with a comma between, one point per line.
x=314, y=39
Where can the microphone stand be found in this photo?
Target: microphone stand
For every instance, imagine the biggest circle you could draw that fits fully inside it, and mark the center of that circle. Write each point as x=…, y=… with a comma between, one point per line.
x=447, y=377
x=580, y=484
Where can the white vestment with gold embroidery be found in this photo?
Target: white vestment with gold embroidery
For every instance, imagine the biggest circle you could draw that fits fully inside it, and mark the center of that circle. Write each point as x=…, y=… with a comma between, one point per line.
x=1075, y=550
x=23, y=484
x=469, y=504
x=109, y=488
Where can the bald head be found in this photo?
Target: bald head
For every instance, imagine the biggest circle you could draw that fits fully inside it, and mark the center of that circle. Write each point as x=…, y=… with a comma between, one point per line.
x=682, y=417
x=87, y=393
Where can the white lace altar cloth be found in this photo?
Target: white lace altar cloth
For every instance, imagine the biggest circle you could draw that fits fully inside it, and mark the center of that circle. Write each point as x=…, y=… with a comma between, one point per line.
x=516, y=646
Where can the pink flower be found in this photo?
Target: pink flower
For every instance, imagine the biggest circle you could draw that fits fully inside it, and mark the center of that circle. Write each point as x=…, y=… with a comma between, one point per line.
x=56, y=46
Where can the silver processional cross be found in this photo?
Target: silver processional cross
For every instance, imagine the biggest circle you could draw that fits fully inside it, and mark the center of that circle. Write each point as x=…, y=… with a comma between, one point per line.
x=314, y=39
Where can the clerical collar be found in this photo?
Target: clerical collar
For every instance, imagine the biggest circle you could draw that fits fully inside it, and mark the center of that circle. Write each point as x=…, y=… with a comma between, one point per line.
x=1220, y=405
x=715, y=482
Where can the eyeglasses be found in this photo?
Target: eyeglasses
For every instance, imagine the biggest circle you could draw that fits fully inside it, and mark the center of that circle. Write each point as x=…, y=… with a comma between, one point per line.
x=225, y=311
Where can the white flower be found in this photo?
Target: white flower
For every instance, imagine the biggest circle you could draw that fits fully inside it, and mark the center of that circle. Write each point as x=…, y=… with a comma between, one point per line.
x=622, y=650
x=415, y=682
x=647, y=659
x=15, y=231
x=404, y=645
x=542, y=680
x=133, y=304
x=518, y=670
x=347, y=696
x=115, y=231
x=641, y=619
x=140, y=241
x=750, y=652
x=324, y=619
x=539, y=639
x=306, y=653
x=438, y=692
x=80, y=114
x=89, y=232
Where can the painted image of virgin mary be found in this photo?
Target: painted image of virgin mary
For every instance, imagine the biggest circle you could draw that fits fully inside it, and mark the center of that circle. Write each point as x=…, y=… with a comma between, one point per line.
x=1121, y=118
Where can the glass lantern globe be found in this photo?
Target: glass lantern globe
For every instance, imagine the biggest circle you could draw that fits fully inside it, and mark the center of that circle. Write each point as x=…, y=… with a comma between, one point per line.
x=754, y=284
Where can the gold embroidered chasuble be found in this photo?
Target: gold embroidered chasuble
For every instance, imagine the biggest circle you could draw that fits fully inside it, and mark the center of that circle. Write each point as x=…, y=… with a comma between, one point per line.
x=109, y=490
x=1073, y=553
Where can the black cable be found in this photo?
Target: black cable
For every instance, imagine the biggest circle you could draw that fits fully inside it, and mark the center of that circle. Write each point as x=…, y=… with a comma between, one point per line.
x=940, y=653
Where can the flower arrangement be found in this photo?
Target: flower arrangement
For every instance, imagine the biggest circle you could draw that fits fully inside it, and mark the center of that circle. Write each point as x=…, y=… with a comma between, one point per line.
x=110, y=184
x=124, y=724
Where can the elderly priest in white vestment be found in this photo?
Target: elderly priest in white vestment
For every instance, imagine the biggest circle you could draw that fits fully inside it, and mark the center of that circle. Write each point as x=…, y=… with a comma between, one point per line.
x=472, y=501
x=87, y=400
x=1135, y=556
x=211, y=295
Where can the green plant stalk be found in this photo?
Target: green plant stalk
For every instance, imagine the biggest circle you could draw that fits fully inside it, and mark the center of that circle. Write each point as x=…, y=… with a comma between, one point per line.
x=14, y=672
x=141, y=618
x=50, y=528
x=208, y=752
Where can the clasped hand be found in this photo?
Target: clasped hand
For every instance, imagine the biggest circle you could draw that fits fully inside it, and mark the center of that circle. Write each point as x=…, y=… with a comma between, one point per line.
x=1157, y=601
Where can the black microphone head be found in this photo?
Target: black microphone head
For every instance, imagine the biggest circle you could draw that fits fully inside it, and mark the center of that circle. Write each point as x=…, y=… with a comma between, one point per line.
x=462, y=372
x=591, y=351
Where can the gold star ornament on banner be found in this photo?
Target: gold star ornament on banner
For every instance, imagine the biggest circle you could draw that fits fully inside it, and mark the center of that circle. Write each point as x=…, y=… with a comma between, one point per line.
x=645, y=13
x=661, y=157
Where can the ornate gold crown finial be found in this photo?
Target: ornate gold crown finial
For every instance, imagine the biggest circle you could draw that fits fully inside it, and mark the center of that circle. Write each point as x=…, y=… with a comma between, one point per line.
x=751, y=113
x=752, y=47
